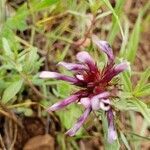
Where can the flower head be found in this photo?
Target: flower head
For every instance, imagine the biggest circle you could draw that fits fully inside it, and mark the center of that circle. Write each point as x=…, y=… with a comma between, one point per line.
x=95, y=85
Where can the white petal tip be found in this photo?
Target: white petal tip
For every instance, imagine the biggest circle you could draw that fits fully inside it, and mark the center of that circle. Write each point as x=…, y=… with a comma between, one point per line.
x=112, y=135
x=80, y=77
x=50, y=109
x=61, y=63
x=70, y=133
x=84, y=57
x=104, y=107
x=42, y=74
x=47, y=74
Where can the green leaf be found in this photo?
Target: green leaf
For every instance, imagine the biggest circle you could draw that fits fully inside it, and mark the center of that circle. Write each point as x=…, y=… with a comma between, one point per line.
x=6, y=48
x=142, y=108
x=123, y=105
x=69, y=116
x=126, y=79
x=28, y=112
x=32, y=56
x=143, y=91
x=18, y=21
x=137, y=137
x=125, y=141
x=94, y=6
x=134, y=40
x=141, y=87
x=10, y=36
x=116, y=17
x=42, y=4
x=125, y=41
x=64, y=89
x=144, y=77
x=11, y=90
x=30, y=60
x=114, y=29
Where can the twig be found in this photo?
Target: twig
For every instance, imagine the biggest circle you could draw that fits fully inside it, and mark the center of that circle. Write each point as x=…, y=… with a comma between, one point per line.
x=2, y=143
x=9, y=115
x=47, y=124
x=22, y=104
x=7, y=137
x=15, y=137
x=36, y=91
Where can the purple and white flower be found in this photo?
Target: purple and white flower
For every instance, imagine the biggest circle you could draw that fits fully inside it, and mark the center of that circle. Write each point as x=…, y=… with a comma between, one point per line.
x=95, y=93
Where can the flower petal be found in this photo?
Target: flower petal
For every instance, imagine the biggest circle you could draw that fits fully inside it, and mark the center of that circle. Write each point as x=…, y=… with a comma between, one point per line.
x=64, y=102
x=85, y=57
x=121, y=67
x=105, y=104
x=49, y=74
x=114, y=71
x=80, y=77
x=112, y=135
x=85, y=102
x=102, y=95
x=104, y=46
x=95, y=101
x=79, y=123
x=72, y=66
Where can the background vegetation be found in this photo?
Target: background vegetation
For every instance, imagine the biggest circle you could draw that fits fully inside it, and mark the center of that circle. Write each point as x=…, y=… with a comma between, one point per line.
x=35, y=35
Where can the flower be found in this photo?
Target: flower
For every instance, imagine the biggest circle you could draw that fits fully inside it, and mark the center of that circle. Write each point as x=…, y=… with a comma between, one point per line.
x=95, y=85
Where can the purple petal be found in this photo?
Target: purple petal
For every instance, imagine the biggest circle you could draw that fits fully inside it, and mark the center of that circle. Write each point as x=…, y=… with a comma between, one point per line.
x=64, y=102
x=104, y=46
x=121, y=67
x=85, y=102
x=102, y=95
x=95, y=101
x=84, y=57
x=115, y=71
x=72, y=66
x=49, y=74
x=112, y=135
x=79, y=123
x=110, y=117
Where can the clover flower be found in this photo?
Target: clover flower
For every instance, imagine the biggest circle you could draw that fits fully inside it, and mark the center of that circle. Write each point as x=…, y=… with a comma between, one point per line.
x=94, y=83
